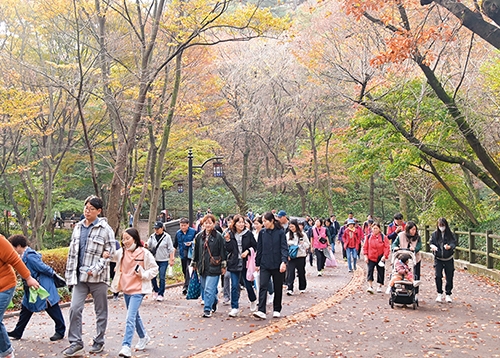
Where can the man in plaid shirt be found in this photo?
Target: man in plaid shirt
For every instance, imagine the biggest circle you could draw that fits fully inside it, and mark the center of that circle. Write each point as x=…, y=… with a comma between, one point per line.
x=87, y=271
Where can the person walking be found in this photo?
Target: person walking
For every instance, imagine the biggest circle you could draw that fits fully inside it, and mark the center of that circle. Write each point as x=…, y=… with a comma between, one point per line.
x=88, y=272
x=351, y=239
x=239, y=241
x=184, y=242
x=44, y=274
x=135, y=268
x=410, y=239
x=210, y=260
x=443, y=243
x=319, y=242
x=297, y=237
x=376, y=250
x=10, y=260
x=270, y=261
x=161, y=246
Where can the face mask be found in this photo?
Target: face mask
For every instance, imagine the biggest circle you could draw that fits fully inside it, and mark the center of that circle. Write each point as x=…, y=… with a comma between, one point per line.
x=442, y=228
x=132, y=247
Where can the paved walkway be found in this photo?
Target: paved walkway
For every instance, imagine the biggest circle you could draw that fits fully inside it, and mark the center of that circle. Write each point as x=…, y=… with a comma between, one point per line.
x=336, y=317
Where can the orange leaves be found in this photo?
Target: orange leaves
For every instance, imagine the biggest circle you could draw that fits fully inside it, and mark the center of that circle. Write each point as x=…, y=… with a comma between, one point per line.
x=405, y=44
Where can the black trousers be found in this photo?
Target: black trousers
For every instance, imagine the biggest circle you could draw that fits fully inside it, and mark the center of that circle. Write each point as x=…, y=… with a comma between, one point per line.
x=25, y=315
x=449, y=269
x=320, y=259
x=185, y=270
x=298, y=264
x=278, y=278
x=380, y=272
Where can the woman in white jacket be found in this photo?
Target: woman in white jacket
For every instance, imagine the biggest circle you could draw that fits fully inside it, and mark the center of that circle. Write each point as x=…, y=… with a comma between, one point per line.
x=135, y=267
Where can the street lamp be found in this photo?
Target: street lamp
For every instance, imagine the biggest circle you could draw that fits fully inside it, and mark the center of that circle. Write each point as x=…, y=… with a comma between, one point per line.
x=217, y=172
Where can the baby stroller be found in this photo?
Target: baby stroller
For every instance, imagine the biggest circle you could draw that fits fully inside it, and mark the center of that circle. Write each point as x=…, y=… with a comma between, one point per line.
x=403, y=291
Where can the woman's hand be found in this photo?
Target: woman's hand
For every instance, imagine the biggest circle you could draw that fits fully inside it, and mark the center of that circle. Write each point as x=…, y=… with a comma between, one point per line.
x=283, y=267
x=244, y=254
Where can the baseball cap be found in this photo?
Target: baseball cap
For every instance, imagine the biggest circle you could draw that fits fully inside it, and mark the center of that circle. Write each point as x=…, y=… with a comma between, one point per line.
x=158, y=225
x=281, y=213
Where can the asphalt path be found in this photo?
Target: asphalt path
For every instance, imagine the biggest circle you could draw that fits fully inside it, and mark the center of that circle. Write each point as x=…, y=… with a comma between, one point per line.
x=336, y=317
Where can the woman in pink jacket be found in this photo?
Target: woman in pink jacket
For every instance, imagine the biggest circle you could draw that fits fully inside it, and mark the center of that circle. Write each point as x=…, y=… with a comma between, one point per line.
x=319, y=243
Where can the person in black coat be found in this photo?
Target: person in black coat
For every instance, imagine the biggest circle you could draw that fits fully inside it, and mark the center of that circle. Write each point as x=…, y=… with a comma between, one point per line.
x=443, y=243
x=271, y=260
x=239, y=241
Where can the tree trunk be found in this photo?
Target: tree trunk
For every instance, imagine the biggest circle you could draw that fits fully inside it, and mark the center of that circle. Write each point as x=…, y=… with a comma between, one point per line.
x=242, y=205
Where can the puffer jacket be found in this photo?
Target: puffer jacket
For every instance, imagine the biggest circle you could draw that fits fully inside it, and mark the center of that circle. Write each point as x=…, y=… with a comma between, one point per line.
x=439, y=240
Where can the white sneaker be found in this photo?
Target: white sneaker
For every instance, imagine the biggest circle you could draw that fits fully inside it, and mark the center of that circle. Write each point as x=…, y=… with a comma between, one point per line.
x=253, y=306
x=370, y=290
x=379, y=289
x=302, y=291
x=259, y=314
x=202, y=303
x=289, y=293
x=125, y=352
x=416, y=283
x=154, y=295
x=270, y=299
x=141, y=345
x=439, y=298
x=225, y=303
x=159, y=298
x=388, y=291
x=276, y=314
x=448, y=299
x=234, y=312
x=320, y=273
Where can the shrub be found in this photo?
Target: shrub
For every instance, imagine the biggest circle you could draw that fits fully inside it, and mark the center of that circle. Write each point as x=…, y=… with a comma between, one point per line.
x=56, y=258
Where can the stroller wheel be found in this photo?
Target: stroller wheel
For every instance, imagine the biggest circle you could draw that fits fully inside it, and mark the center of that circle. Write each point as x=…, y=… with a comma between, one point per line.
x=391, y=302
x=414, y=305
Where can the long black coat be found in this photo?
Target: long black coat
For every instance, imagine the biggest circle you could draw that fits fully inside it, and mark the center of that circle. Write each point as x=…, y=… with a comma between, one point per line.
x=234, y=263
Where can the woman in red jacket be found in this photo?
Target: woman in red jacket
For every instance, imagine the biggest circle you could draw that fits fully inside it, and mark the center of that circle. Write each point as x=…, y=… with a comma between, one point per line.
x=352, y=240
x=376, y=251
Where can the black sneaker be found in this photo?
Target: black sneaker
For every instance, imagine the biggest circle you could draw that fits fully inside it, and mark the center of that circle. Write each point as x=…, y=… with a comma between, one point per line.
x=184, y=291
x=96, y=348
x=13, y=335
x=74, y=350
x=207, y=314
x=56, y=337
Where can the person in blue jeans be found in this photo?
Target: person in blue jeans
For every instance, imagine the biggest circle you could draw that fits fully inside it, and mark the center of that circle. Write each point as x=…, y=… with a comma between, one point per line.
x=161, y=246
x=209, y=258
x=9, y=259
x=44, y=274
x=135, y=268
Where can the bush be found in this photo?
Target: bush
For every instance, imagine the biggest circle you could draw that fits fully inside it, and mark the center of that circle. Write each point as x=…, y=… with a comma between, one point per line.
x=56, y=258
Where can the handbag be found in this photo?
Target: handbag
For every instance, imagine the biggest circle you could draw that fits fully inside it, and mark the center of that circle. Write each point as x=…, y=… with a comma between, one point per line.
x=322, y=240
x=194, y=287
x=331, y=262
x=59, y=281
x=293, y=251
x=214, y=261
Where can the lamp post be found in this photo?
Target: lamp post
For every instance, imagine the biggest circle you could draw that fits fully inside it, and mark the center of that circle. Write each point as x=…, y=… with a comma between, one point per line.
x=217, y=172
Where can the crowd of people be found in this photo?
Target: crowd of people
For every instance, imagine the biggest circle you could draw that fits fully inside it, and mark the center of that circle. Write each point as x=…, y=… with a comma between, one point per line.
x=259, y=254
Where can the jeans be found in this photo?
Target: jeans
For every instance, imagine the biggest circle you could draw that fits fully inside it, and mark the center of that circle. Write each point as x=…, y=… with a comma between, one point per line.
x=162, y=272
x=134, y=321
x=226, y=284
x=449, y=269
x=235, y=289
x=5, y=298
x=53, y=311
x=99, y=292
x=209, y=287
x=352, y=257
x=248, y=285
